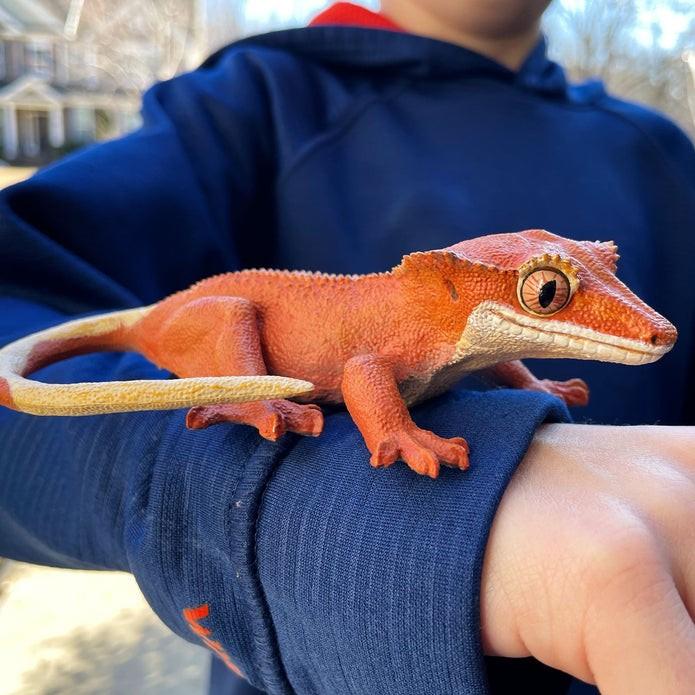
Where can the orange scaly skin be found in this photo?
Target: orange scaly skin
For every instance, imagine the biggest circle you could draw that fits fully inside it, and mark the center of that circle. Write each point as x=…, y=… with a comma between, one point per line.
x=382, y=342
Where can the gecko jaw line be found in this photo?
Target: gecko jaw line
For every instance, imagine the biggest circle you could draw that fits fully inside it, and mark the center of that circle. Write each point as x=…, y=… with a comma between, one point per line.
x=555, y=338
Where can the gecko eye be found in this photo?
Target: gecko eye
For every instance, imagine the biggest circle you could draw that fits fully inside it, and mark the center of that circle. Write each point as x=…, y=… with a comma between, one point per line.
x=544, y=291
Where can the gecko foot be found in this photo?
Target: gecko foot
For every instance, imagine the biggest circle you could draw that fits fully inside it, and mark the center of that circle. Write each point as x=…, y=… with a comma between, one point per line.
x=574, y=392
x=421, y=450
x=271, y=418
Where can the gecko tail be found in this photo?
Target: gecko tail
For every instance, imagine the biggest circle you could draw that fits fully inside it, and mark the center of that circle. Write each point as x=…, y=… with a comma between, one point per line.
x=5, y=397
x=110, y=332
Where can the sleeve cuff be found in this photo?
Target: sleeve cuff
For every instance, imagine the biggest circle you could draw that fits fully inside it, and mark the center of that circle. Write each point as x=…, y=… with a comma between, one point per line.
x=372, y=577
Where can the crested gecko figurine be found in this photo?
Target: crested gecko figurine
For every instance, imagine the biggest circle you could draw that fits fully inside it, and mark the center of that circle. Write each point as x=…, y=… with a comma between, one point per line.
x=378, y=342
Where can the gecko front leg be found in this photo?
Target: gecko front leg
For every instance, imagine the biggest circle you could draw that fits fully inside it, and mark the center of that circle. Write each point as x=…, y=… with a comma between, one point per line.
x=517, y=375
x=371, y=394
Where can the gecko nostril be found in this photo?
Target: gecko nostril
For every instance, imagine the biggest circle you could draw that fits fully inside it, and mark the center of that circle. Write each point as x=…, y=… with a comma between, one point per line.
x=665, y=336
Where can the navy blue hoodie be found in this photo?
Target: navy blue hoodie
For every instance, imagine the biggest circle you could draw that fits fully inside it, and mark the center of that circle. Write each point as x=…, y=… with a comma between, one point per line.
x=336, y=149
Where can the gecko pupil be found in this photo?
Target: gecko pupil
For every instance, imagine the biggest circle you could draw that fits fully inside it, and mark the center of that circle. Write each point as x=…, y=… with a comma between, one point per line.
x=547, y=293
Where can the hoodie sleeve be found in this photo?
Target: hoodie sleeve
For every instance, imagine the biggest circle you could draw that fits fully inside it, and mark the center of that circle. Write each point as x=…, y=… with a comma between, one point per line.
x=371, y=578
x=118, y=225
x=663, y=134
x=294, y=562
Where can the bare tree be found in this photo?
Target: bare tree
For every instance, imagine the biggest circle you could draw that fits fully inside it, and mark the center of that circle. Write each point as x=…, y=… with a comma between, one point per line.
x=689, y=60
x=139, y=41
x=623, y=43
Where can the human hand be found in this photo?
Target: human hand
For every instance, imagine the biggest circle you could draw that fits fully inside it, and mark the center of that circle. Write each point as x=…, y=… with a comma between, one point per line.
x=590, y=564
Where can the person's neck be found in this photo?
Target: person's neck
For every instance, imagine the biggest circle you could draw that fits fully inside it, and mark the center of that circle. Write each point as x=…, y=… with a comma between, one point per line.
x=510, y=51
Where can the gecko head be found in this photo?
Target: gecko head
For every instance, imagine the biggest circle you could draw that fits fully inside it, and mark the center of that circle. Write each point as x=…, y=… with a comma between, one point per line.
x=535, y=294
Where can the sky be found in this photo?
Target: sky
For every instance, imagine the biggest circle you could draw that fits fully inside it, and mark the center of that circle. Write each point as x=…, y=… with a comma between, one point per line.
x=670, y=24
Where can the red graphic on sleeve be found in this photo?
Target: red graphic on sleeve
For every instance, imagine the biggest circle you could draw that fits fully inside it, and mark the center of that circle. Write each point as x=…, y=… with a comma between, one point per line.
x=193, y=616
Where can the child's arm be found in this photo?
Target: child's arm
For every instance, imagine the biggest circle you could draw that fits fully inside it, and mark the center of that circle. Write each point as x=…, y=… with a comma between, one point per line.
x=589, y=565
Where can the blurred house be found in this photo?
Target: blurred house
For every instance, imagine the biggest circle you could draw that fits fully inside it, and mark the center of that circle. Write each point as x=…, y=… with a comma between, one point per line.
x=54, y=95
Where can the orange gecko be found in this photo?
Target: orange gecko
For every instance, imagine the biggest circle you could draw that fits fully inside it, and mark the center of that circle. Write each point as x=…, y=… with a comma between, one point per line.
x=378, y=343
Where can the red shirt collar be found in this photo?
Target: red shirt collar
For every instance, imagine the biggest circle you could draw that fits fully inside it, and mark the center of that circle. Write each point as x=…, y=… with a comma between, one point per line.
x=347, y=13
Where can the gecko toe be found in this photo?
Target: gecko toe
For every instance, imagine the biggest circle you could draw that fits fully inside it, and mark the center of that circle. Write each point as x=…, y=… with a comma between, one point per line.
x=385, y=454
x=421, y=450
x=574, y=392
x=200, y=418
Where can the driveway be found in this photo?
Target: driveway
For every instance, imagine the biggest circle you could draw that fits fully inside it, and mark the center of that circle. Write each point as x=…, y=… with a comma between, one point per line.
x=83, y=633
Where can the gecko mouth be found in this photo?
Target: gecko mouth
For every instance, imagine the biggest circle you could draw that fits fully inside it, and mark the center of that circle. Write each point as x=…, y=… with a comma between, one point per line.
x=547, y=338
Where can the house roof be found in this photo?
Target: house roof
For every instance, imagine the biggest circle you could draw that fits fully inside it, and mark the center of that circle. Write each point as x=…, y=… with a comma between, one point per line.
x=30, y=16
x=30, y=89
x=34, y=92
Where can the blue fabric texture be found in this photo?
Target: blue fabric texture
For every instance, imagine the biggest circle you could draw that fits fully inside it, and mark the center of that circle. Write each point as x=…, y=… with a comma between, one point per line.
x=335, y=149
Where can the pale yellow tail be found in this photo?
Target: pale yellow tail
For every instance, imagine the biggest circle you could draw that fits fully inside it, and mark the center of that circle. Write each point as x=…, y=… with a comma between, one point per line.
x=101, y=332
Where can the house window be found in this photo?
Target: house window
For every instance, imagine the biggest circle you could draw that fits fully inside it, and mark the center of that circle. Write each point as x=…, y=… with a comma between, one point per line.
x=30, y=132
x=33, y=142
x=38, y=58
x=83, y=125
x=3, y=61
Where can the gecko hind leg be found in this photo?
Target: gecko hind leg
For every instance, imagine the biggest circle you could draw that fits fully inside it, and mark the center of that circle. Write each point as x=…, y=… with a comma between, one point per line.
x=219, y=336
